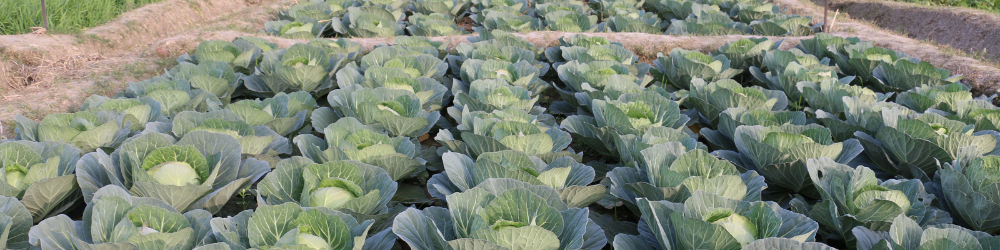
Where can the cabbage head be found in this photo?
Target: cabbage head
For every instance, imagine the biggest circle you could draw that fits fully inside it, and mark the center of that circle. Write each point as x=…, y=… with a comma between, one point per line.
x=339, y=47
x=913, y=145
x=496, y=55
x=860, y=114
x=469, y=120
x=595, y=76
x=347, y=186
x=568, y=177
x=40, y=175
x=747, y=12
x=711, y=99
x=906, y=233
x=370, y=21
x=669, y=171
x=787, y=79
x=543, y=8
x=861, y=59
x=707, y=22
x=587, y=49
x=748, y=52
x=348, y=139
x=710, y=221
x=635, y=113
x=385, y=4
x=283, y=113
x=253, y=140
x=512, y=6
x=87, y=131
x=828, y=94
x=951, y=97
x=570, y=21
x=784, y=25
x=243, y=53
x=400, y=74
x=200, y=171
x=825, y=45
x=681, y=67
x=607, y=8
x=314, y=10
x=435, y=24
x=855, y=197
x=630, y=242
x=775, y=62
x=521, y=73
x=979, y=111
x=174, y=95
x=450, y=8
x=732, y=118
x=301, y=67
x=514, y=22
x=115, y=219
x=137, y=111
x=904, y=74
x=615, y=87
x=416, y=61
x=492, y=135
x=780, y=153
x=502, y=39
x=397, y=111
x=968, y=191
x=630, y=114
x=305, y=28
x=289, y=226
x=494, y=94
x=217, y=78
x=501, y=214
x=637, y=21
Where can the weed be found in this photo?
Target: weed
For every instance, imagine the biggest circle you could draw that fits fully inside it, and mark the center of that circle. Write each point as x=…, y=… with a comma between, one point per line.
x=66, y=16
x=164, y=63
x=7, y=129
x=83, y=38
x=35, y=113
x=106, y=88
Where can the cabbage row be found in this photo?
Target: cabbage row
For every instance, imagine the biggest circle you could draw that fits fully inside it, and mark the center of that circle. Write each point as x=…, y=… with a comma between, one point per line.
x=500, y=144
x=390, y=18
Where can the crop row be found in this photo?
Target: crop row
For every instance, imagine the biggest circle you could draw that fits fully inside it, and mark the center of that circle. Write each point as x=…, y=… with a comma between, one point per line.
x=380, y=18
x=835, y=141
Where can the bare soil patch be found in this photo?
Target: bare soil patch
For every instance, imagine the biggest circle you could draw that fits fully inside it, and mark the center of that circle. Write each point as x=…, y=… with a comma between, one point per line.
x=974, y=31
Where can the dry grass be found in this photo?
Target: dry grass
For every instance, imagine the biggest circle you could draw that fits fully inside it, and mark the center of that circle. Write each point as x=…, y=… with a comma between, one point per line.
x=16, y=76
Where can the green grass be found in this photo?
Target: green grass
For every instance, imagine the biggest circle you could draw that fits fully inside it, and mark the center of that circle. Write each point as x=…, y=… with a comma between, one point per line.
x=987, y=5
x=65, y=16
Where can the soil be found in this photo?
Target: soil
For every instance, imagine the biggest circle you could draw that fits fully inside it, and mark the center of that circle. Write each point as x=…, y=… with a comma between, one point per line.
x=42, y=74
x=973, y=31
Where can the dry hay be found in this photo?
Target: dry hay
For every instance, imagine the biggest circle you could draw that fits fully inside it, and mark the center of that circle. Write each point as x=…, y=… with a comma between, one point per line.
x=22, y=70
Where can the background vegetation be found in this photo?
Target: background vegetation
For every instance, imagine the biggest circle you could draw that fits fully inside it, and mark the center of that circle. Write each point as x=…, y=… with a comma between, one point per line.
x=987, y=5
x=65, y=16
